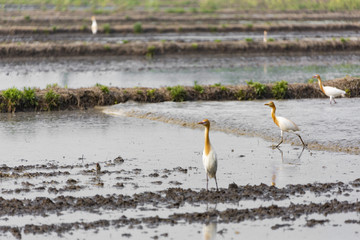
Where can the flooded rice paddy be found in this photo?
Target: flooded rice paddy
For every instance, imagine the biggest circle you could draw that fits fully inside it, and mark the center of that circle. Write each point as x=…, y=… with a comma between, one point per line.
x=182, y=37
x=151, y=183
x=174, y=70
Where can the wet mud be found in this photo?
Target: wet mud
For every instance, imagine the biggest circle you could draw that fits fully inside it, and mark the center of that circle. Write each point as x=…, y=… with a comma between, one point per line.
x=151, y=49
x=84, y=98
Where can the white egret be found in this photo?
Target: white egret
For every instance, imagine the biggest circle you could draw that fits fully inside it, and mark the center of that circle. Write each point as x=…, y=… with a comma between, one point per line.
x=284, y=124
x=209, y=156
x=331, y=92
x=265, y=36
x=93, y=25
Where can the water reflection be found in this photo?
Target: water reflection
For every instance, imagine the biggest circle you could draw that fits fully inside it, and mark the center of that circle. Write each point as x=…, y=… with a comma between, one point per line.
x=209, y=231
x=284, y=160
x=288, y=160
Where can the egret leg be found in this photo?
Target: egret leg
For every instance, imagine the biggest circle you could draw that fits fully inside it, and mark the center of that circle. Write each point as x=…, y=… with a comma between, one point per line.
x=207, y=182
x=282, y=139
x=334, y=100
x=304, y=145
x=217, y=189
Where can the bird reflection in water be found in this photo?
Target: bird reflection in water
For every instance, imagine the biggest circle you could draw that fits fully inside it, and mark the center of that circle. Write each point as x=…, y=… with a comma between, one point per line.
x=291, y=161
x=209, y=231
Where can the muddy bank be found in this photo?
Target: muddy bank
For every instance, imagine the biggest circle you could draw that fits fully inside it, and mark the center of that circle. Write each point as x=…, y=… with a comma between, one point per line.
x=289, y=214
x=55, y=98
x=180, y=28
x=170, y=198
x=151, y=49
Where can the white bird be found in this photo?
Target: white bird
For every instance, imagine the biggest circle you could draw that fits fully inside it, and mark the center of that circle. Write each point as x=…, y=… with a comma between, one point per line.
x=209, y=156
x=93, y=25
x=331, y=92
x=284, y=124
x=265, y=36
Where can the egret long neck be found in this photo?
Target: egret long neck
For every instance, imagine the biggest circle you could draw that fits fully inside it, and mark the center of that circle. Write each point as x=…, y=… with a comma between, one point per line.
x=320, y=85
x=273, y=109
x=207, y=141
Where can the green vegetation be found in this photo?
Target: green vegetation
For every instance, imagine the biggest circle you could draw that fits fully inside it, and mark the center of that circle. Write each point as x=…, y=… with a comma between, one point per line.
x=84, y=28
x=103, y=88
x=217, y=40
x=27, y=18
x=213, y=29
x=194, y=6
x=198, y=87
x=259, y=88
x=248, y=39
x=250, y=26
x=29, y=97
x=107, y=47
x=311, y=80
x=150, y=93
x=240, y=95
x=150, y=51
x=216, y=85
x=137, y=27
x=54, y=28
x=12, y=97
x=106, y=28
x=125, y=41
x=177, y=93
x=271, y=40
x=279, y=89
x=51, y=99
x=194, y=45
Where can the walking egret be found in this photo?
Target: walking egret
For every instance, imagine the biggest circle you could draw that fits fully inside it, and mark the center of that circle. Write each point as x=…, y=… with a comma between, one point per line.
x=284, y=124
x=209, y=156
x=93, y=25
x=331, y=92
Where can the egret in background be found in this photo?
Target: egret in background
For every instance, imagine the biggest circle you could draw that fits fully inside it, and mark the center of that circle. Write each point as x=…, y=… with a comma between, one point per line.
x=93, y=25
x=209, y=156
x=284, y=124
x=331, y=92
x=265, y=36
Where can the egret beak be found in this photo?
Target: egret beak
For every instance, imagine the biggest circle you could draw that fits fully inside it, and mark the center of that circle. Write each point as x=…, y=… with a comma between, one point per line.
x=202, y=123
x=267, y=104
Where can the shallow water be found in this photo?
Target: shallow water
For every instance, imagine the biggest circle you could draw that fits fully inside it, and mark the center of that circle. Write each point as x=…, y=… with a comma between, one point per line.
x=82, y=138
x=322, y=124
x=182, y=37
x=174, y=70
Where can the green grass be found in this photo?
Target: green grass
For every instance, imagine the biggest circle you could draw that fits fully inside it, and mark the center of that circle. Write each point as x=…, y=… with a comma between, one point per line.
x=177, y=93
x=13, y=98
x=29, y=97
x=279, y=90
x=248, y=39
x=103, y=88
x=107, y=28
x=198, y=87
x=195, y=45
x=259, y=88
x=27, y=18
x=217, y=40
x=137, y=27
x=150, y=51
x=51, y=99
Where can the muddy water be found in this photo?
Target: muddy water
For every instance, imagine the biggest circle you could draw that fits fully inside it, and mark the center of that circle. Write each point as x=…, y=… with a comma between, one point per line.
x=186, y=37
x=174, y=70
x=329, y=126
x=59, y=151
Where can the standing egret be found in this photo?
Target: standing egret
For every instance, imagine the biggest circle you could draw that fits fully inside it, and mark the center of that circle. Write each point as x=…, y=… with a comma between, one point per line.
x=284, y=124
x=331, y=92
x=209, y=156
x=93, y=25
x=265, y=36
